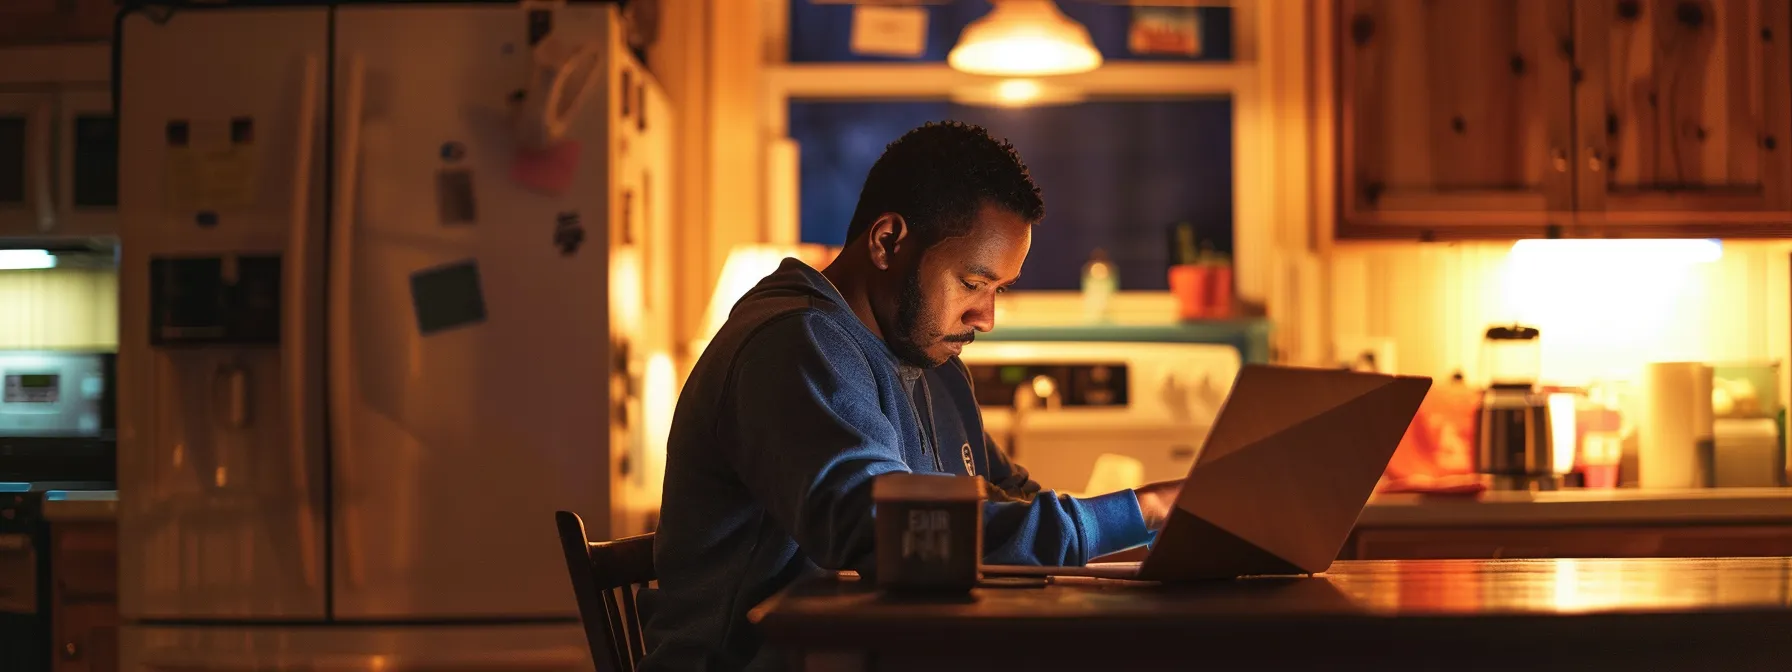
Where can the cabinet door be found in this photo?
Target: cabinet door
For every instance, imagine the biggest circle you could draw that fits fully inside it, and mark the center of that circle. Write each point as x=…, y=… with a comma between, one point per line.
x=84, y=568
x=26, y=201
x=87, y=152
x=1684, y=116
x=1456, y=117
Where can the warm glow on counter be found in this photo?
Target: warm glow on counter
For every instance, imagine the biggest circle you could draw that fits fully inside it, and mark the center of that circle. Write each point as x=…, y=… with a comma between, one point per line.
x=1606, y=306
x=1635, y=253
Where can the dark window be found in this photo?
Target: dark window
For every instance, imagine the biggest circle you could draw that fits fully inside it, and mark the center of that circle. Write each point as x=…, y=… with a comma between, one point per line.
x=1115, y=175
x=96, y=161
x=12, y=160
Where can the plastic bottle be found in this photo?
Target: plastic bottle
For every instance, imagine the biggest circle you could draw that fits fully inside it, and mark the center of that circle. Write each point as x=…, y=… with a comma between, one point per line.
x=1100, y=282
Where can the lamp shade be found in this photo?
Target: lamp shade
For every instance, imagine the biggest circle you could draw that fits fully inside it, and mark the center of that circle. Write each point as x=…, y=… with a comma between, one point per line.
x=1024, y=38
x=746, y=266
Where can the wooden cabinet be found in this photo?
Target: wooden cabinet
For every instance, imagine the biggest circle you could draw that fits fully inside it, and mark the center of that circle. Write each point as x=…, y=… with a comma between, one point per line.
x=84, y=598
x=1530, y=118
x=1684, y=115
x=1639, y=541
x=1454, y=113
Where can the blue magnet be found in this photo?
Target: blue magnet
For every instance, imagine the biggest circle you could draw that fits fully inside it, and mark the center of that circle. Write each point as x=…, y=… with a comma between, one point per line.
x=453, y=151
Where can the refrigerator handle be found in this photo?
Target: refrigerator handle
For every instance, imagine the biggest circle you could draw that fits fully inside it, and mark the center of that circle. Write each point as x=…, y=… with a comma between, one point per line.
x=301, y=370
x=343, y=397
x=43, y=187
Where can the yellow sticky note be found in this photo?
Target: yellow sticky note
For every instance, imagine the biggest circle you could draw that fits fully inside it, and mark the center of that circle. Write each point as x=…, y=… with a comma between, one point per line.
x=210, y=179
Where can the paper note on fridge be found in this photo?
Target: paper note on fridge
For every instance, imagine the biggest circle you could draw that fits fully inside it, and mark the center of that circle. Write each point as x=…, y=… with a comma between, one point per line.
x=217, y=178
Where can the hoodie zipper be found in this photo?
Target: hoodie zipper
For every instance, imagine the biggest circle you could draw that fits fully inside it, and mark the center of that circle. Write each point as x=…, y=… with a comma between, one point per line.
x=929, y=439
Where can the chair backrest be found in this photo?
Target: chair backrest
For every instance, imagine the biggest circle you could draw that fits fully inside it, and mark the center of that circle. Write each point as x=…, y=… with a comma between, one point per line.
x=605, y=576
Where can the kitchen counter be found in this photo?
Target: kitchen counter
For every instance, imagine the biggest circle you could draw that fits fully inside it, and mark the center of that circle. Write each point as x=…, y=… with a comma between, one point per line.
x=1566, y=507
x=63, y=506
x=1582, y=507
x=1728, y=614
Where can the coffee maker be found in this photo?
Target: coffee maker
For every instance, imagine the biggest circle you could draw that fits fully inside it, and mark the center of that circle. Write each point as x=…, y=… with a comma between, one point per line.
x=1515, y=449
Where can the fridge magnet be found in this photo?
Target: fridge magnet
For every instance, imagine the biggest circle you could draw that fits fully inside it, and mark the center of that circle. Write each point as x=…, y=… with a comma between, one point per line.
x=208, y=176
x=569, y=233
x=176, y=132
x=455, y=202
x=447, y=297
x=453, y=152
x=1165, y=31
x=548, y=172
x=242, y=130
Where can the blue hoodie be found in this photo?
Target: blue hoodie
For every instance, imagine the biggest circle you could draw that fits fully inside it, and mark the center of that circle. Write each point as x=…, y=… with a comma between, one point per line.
x=790, y=413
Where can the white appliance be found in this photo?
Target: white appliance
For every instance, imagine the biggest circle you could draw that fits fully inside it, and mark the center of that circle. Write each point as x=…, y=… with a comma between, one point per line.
x=58, y=143
x=368, y=343
x=56, y=394
x=1151, y=402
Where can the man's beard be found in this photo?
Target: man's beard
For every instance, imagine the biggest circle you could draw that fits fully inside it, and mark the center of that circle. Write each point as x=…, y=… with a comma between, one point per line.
x=910, y=313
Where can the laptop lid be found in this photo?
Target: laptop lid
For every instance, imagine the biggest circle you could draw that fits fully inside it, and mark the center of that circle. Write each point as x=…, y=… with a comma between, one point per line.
x=1286, y=469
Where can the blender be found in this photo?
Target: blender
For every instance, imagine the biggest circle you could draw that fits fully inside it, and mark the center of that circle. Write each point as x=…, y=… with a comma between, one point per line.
x=1516, y=449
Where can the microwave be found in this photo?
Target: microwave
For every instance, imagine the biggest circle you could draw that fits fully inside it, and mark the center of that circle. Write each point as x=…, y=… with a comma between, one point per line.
x=58, y=143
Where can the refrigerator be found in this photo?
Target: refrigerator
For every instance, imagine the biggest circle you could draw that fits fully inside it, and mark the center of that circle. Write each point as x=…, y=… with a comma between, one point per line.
x=382, y=313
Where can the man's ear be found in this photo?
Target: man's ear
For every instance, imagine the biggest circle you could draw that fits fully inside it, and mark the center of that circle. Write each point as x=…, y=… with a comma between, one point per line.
x=886, y=237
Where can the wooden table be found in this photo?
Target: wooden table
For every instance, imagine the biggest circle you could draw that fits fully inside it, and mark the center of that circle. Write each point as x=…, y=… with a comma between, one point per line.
x=1621, y=614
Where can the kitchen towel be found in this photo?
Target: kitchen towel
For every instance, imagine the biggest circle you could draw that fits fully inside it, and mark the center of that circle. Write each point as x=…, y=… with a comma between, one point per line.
x=1675, y=433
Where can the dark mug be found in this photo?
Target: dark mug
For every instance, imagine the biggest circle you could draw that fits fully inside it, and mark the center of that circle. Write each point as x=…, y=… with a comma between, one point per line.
x=929, y=532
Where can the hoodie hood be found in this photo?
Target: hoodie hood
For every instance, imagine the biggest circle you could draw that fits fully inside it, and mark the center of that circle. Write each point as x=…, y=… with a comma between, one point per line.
x=797, y=285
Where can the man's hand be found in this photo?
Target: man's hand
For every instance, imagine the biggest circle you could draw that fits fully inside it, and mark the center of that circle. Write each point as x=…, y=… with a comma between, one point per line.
x=1157, y=500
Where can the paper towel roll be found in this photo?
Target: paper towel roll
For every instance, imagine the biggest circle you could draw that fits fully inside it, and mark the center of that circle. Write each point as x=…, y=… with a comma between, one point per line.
x=1675, y=433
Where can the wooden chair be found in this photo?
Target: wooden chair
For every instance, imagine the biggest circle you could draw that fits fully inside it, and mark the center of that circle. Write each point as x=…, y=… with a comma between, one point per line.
x=605, y=576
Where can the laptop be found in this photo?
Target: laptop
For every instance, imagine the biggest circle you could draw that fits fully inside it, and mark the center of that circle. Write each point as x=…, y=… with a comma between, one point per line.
x=1287, y=468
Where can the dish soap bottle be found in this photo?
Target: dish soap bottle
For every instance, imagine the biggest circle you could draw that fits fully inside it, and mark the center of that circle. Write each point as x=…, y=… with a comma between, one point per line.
x=1100, y=282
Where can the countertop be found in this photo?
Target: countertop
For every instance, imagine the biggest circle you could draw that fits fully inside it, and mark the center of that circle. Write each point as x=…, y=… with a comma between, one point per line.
x=80, y=505
x=1582, y=507
x=1565, y=507
x=1731, y=614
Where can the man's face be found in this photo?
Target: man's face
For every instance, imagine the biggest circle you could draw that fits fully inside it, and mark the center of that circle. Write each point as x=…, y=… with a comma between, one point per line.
x=949, y=293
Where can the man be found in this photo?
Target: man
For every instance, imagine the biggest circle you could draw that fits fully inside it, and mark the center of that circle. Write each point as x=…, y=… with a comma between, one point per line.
x=821, y=381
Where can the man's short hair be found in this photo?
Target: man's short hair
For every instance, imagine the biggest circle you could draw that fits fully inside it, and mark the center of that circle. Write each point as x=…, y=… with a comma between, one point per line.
x=938, y=176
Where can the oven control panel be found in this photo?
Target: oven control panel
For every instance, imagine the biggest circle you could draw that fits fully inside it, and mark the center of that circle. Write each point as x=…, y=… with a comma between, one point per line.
x=1098, y=384
x=1158, y=382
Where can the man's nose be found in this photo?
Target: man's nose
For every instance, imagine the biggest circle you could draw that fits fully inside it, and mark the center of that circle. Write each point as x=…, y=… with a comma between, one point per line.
x=982, y=317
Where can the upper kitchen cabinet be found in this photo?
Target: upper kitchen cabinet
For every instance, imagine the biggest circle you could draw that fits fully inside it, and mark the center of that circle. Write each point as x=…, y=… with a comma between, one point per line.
x=1455, y=117
x=58, y=143
x=1684, y=116
x=1530, y=118
x=26, y=203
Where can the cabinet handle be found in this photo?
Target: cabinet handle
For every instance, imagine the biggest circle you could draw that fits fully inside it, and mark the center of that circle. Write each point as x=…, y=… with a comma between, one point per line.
x=1559, y=158
x=71, y=651
x=1595, y=162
